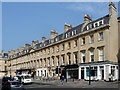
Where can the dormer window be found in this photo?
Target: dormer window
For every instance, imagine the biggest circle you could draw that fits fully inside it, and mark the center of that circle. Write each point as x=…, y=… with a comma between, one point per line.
x=56, y=39
x=49, y=51
x=74, y=32
x=57, y=48
x=101, y=22
x=52, y=41
x=66, y=35
x=40, y=45
x=95, y=24
x=44, y=44
x=89, y=26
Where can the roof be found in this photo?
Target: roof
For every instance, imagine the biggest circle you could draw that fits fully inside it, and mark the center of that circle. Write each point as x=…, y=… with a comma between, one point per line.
x=105, y=18
x=69, y=33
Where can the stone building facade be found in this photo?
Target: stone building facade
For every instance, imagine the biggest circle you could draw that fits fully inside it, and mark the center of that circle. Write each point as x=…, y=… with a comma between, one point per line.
x=90, y=48
x=3, y=64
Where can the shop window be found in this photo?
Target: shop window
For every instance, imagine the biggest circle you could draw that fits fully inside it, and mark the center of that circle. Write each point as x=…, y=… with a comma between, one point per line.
x=92, y=72
x=45, y=73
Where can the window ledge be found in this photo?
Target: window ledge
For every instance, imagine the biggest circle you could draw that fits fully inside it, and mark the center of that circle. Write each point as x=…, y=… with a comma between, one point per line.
x=100, y=40
x=91, y=42
x=82, y=44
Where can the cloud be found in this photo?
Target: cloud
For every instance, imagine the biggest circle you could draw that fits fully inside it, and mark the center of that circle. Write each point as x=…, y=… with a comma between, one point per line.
x=80, y=7
x=94, y=9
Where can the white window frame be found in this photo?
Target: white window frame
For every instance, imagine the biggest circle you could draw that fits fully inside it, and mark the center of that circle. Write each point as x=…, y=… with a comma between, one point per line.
x=41, y=52
x=101, y=37
x=69, y=45
x=75, y=58
x=101, y=54
x=91, y=41
x=83, y=55
x=48, y=62
x=57, y=61
x=83, y=40
x=57, y=48
x=69, y=59
x=63, y=60
x=91, y=53
x=41, y=62
x=52, y=49
x=44, y=62
x=53, y=61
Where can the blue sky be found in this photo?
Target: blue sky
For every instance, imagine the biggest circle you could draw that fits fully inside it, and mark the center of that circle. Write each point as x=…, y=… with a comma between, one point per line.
x=23, y=22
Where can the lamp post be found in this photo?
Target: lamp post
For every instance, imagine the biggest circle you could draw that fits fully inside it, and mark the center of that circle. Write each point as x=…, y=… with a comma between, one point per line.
x=89, y=76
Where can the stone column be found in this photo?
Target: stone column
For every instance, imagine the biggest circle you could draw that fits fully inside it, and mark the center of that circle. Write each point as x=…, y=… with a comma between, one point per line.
x=105, y=72
x=98, y=73
x=84, y=72
x=79, y=73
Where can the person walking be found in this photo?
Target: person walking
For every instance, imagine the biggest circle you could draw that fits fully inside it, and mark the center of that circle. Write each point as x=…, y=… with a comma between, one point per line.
x=63, y=80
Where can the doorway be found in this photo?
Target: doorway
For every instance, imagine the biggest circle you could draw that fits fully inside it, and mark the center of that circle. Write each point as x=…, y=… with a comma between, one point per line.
x=102, y=73
x=82, y=74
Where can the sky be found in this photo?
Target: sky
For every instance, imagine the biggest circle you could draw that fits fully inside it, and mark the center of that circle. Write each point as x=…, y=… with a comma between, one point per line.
x=23, y=22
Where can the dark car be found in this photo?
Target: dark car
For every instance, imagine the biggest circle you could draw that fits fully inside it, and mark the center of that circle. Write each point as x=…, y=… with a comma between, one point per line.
x=6, y=79
x=12, y=85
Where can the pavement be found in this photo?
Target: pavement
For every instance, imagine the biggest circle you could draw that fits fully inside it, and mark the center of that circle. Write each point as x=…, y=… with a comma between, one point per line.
x=77, y=84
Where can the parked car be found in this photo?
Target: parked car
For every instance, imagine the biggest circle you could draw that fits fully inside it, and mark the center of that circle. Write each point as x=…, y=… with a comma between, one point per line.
x=6, y=79
x=12, y=85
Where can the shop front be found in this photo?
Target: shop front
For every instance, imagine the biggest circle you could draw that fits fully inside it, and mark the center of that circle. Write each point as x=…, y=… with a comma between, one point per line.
x=71, y=71
x=98, y=71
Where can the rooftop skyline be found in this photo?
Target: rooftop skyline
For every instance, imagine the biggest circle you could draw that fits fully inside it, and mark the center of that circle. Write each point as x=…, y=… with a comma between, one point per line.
x=24, y=22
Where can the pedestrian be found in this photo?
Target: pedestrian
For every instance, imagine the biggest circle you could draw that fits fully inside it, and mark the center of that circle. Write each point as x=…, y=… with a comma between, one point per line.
x=109, y=77
x=63, y=80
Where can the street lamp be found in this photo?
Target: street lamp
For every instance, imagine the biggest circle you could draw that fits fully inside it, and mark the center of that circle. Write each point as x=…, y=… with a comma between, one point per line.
x=89, y=76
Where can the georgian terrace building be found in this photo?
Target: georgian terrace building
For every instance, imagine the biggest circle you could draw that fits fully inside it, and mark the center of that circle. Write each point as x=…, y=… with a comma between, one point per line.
x=89, y=48
x=3, y=64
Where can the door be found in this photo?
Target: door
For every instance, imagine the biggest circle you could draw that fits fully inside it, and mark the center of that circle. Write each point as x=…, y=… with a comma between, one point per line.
x=82, y=74
x=102, y=74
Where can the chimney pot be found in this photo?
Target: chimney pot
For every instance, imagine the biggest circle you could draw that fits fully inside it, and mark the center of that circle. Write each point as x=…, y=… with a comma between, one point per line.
x=67, y=27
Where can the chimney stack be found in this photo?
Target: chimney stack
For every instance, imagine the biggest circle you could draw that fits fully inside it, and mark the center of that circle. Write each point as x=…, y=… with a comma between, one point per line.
x=53, y=34
x=87, y=18
x=27, y=45
x=43, y=39
x=2, y=53
x=112, y=9
x=67, y=27
x=34, y=43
